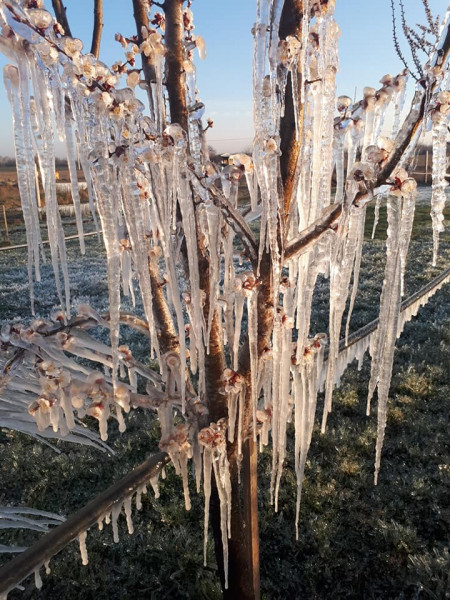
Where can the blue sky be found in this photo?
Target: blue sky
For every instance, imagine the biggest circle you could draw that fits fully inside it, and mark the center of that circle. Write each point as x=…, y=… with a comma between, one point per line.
x=224, y=78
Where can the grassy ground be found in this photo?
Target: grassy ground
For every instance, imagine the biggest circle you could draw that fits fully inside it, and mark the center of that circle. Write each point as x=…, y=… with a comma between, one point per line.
x=356, y=540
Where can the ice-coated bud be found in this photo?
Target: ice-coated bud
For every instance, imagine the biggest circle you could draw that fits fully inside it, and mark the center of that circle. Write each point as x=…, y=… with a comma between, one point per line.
x=408, y=186
x=343, y=102
x=11, y=73
x=387, y=80
x=177, y=133
x=271, y=145
x=133, y=79
x=362, y=172
x=188, y=19
x=71, y=46
x=385, y=144
x=373, y=154
x=243, y=160
x=382, y=97
x=201, y=47
x=39, y=18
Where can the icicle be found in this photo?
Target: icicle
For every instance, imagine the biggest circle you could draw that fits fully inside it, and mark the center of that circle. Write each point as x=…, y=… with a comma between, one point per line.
x=47, y=567
x=439, y=182
x=306, y=380
x=128, y=514
x=347, y=245
x=252, y=308
x=207, y=465
x=83, y=550
x=376, y=217
x=154, y=483
x=400, y=219
x=71, y=163
x=115, y=512
x=37, y=579
x=356, y=269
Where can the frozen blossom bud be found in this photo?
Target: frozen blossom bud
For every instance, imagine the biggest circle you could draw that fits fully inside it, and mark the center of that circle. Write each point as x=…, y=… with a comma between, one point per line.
x=40, y=18
x=133, y=79
x=343, y=102
x=382, y=97
x=201, y=47
x=12, y=73
x=373, y=154
x=362, y=172
x=71, y=46
x=385, y=144
x=106, y=99
x=146, y=48
x=120, y=38
x=387, y=80
x=402, y=185
x=188, y=19
x=271, y=145
x=243, y=160
x=369, y=94
x=48, y=53
x=400, y=81
x=58, y=28
x=122, y=397
x=408, y=186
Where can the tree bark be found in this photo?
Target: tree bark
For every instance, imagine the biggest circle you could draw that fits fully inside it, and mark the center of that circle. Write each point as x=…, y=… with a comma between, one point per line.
x=174, y=62
x=290, y=24
x=98, y=27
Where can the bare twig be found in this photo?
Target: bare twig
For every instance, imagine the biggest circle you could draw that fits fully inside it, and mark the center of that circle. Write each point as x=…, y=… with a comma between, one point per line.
x=412, y=45
x=98, y=27
x=396, y=42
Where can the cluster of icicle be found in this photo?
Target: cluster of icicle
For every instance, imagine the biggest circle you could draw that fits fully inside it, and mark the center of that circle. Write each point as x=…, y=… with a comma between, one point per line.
x=155, y=191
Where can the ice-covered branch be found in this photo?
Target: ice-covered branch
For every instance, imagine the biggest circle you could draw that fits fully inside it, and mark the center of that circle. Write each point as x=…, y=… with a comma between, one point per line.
x=314, y=232
x=236, y=221
x=33, y=558
x=292, y=121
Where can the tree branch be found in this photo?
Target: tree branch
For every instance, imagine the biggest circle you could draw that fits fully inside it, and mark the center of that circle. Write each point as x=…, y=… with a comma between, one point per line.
x=61, y=17
x=98, y=27
x=235, y=220
x=141, y=20
x=174, y=62
x=311, y=234
x=55, y=540
x=290, y=24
